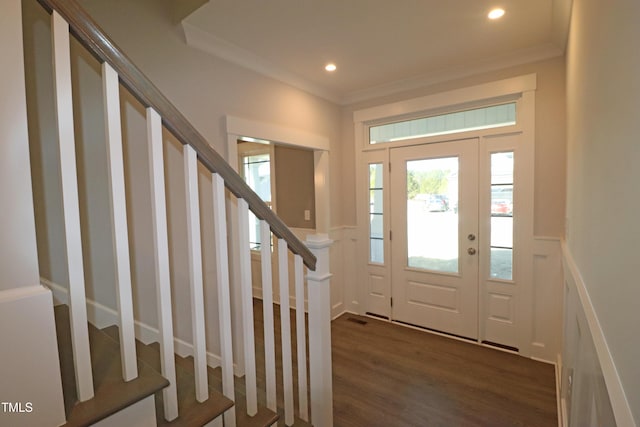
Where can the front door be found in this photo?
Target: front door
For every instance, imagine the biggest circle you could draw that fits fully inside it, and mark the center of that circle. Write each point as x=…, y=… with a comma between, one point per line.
x=434, y=241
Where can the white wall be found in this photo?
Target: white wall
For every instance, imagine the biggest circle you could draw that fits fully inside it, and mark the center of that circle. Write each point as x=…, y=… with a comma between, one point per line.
x=30, y=369
x=18, y=262
x=603, y=101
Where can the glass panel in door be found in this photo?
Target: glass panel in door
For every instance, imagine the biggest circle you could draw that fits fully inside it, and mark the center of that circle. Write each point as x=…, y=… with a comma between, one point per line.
x=501, y=246
x=432, y=214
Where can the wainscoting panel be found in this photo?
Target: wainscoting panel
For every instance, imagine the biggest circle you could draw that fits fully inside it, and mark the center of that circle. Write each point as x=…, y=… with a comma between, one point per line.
x=547, y=299
x=590, y=389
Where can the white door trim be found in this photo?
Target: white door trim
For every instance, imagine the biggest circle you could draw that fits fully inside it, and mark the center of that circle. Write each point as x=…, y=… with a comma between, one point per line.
x=240, y=127
x=519, y=89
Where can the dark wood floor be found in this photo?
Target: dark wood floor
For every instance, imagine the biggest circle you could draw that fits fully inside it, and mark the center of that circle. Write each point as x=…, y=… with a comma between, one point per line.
x=389, y=375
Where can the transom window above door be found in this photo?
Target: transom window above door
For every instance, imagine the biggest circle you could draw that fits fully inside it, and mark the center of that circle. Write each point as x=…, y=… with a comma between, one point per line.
x=460, y=121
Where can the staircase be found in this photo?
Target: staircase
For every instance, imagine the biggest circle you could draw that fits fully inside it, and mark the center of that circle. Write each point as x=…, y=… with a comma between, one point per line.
x=109, y=376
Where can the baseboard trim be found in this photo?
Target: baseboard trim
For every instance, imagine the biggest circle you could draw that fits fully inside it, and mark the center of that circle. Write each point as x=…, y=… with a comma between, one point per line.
x=559, y=401
x=102, y=316
x=617, y=396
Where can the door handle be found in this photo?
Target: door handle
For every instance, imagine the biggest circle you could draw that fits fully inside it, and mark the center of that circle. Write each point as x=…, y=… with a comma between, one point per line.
x=471, y=251
x=471, y=237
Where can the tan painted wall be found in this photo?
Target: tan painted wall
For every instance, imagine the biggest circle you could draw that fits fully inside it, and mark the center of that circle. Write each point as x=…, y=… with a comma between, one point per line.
x=550, y=140
x=295, y=191
x=603, y=207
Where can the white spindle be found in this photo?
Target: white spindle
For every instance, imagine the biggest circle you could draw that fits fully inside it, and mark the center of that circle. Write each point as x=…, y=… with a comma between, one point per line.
x=195, y=272
x=267, y=310
x=285, y=331
x=111, y=92
x=301, y=339
x=224, y=296
x=247, y=308
x=319, y=282
x=161, y=260
x=71, y=206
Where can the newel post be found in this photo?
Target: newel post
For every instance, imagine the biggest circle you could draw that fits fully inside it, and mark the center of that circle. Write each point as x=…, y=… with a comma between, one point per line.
x=319, y=295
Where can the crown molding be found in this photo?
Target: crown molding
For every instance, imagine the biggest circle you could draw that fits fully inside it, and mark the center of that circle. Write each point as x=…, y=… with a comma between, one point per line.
x=220, y=48
x=525, y=56
x=216, y=46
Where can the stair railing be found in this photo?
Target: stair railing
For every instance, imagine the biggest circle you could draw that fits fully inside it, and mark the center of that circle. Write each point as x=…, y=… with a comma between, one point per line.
x=68, y=17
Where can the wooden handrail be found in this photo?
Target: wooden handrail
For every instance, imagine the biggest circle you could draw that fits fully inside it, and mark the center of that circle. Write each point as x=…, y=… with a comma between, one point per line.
x=87, y=31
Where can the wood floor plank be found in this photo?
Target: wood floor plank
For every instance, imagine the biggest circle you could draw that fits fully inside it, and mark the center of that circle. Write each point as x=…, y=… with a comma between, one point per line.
x=389, y=375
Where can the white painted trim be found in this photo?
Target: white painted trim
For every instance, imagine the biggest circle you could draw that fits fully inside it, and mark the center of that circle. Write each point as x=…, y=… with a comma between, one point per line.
x=220, y=48
x=562, y=416
x=275, y=133
x=246, y=301
x=285, y=331
x=520, y=89
x=161, y=260
x=267, y=315
x=63, y=90
x=213, y=45
x=196, y=284
x=30, y=366
x=224, y=292
x=485, y=91
x=524, y=56
x=120, y=230
x=617, y=396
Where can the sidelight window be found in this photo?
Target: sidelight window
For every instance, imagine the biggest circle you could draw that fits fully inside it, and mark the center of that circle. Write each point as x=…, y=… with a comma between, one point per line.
x=501, y=264
x=376, y=213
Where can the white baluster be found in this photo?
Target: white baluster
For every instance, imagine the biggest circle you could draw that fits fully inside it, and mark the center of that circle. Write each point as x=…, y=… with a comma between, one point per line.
x=267, y=310
x=71, y=206
x=224, y=297
x=319, y=282
x=247, y=308
x=195, y=272
x=111, y=92
x=161, y=260
x=285, y=332
x=301, y=339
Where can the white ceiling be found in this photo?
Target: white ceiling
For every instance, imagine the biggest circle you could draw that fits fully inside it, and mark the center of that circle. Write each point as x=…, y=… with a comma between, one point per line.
x=379, y=46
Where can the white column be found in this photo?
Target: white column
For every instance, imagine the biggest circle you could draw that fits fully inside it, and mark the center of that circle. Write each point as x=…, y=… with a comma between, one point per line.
x=319, y=297
x=71, y=206
x=224, y=294
x=267, y=314
x=247, y=308
x=285, y=332
x=161, y=262
x=111, y=92
x=195, y=273
x=301, y=341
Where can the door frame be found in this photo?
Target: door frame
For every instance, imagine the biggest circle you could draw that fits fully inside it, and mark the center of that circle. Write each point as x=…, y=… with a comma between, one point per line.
x=461, y=317
x=518, y=89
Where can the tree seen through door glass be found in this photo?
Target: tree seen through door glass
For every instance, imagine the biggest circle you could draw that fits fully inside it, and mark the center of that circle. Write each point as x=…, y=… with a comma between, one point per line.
x=501, y=257
x=432, y=214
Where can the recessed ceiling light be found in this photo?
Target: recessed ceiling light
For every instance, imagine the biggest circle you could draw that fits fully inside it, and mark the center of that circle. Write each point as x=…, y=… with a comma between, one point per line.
x=330, y=67
x=496, y=13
